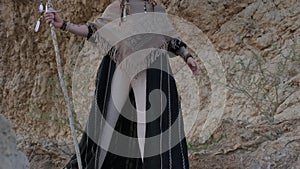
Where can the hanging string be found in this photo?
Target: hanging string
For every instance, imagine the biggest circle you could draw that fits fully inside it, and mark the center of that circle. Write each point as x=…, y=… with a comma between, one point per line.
x=124, y=9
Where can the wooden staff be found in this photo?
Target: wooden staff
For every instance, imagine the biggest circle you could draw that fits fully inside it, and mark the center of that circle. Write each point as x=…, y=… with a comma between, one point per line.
x=49, y=8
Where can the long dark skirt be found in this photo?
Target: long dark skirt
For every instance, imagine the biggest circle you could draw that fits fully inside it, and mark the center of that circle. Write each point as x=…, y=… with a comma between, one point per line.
x=172, y=146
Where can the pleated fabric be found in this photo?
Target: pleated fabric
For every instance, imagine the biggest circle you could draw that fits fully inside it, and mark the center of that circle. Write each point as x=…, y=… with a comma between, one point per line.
x=171, y=156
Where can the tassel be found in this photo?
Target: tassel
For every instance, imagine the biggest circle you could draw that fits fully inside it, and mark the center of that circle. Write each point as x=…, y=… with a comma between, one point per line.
x=37, y=26
x=125, y=10
x=145, y=7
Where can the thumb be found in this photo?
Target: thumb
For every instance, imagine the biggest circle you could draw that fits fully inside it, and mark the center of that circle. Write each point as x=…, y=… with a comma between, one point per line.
x=54, y=14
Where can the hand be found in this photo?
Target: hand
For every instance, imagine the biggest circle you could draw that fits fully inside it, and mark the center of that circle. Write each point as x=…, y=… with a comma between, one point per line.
x=53, y=17
x=193, y=65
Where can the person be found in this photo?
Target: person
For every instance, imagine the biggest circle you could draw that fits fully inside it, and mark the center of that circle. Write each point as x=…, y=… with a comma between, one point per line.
x=117, y=87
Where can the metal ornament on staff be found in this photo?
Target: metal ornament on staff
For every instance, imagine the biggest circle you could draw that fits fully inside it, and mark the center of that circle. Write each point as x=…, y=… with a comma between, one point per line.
x=49, y=8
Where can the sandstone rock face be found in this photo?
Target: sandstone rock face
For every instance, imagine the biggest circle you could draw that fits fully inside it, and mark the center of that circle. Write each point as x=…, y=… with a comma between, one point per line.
x=257, y=41
x=30, y=91
x=10, y=158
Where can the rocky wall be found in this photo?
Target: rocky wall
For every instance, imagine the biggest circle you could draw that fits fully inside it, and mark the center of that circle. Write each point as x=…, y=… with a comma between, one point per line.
x=257, y=42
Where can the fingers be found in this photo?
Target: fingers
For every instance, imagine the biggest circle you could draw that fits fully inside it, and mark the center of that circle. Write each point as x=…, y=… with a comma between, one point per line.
x=49, y=17
x=196, y=72
x=196, y=68
x=193, y=66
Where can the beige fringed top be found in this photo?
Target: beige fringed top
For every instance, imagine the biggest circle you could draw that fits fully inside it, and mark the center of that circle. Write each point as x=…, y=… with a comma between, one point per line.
x=143, y=36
